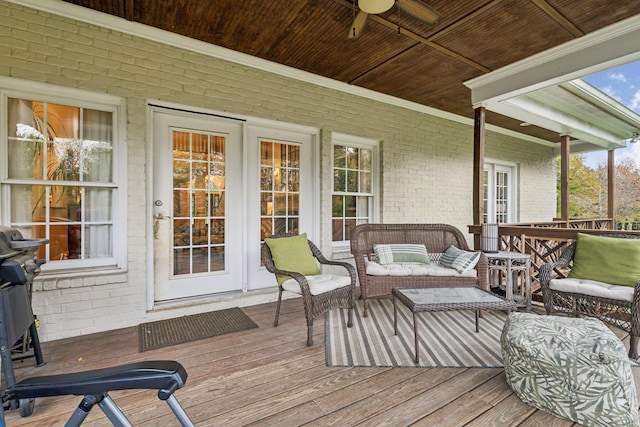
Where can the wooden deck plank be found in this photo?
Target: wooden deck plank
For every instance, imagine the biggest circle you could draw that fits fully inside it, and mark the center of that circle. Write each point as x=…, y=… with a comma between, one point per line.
x=394, y=394
x=295, y=416
x=431, y=398
x=360, y=391
x=268, y=377
x=313, y=387
x=542, y=419
x=511, y=411
x=470, y=405
x=227, y=392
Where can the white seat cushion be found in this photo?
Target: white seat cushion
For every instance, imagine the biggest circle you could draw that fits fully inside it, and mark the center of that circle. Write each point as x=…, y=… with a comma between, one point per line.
x=318, y=284
x=593, y=288
x=415, y=269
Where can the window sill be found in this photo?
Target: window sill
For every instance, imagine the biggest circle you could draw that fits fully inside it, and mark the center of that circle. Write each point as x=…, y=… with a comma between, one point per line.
x=78, y=278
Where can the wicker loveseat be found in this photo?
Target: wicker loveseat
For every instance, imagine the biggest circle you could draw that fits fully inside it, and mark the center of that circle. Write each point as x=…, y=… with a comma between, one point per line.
x=435, y=237
x=618, y=305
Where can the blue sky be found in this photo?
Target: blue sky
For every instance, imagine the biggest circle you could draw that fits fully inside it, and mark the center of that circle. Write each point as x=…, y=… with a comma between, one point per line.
x=622, y=84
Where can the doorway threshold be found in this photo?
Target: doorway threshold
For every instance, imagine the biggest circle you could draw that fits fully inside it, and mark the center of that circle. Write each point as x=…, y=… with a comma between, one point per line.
x=212, y=302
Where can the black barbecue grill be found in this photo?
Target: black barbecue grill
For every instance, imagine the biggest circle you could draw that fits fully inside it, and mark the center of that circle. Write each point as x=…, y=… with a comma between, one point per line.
x=18, y=267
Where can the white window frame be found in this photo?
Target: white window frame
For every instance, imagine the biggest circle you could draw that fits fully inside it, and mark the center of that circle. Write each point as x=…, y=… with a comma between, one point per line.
x=493, y=167
x=36, y=91
x=374, y=204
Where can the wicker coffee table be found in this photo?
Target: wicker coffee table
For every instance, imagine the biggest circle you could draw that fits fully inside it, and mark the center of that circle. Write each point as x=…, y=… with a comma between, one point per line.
x=446, y=299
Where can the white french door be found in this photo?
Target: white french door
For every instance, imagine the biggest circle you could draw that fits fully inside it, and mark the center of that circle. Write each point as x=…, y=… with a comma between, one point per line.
x=197, y=205
x=220, y=186
x=499, y=193
x=281, y=193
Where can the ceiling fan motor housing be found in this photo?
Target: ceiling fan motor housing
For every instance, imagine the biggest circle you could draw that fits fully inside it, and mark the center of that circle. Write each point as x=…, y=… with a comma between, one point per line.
x=375, y=6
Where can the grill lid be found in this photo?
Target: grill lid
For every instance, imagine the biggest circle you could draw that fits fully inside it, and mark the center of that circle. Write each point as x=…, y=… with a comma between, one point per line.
x=12, y=243
x=18, y=263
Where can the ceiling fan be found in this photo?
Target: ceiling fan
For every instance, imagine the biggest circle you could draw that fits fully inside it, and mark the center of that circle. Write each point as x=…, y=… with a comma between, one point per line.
x=415, y=8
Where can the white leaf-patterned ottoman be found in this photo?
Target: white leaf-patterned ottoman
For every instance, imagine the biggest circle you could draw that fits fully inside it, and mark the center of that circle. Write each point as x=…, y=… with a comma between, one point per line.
x=573, y=368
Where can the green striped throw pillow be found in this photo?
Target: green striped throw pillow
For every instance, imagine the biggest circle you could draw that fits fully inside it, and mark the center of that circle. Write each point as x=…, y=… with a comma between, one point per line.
x=459, y=260
x=388, y=254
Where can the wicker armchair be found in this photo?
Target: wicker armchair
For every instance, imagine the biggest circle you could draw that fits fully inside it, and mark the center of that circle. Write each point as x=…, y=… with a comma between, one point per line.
x=620, y=313
x=315, y=303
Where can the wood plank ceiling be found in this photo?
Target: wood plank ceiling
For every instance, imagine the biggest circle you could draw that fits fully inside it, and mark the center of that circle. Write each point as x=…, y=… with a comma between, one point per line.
x=395, y=54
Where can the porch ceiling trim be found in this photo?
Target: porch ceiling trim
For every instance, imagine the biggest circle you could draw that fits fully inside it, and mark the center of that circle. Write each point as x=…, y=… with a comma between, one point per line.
x=545, y=90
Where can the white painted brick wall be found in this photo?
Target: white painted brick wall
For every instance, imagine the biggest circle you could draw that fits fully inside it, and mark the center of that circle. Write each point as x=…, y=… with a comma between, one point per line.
x=426, y=162
x=537, y=175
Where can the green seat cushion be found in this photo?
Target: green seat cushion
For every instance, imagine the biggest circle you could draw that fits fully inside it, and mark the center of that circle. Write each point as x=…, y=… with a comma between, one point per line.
x=292, y=254
x=458, y=259
x=607, y=259
x=392, y=253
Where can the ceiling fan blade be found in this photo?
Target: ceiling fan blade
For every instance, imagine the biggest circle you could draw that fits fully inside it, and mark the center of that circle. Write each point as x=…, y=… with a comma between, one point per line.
x=419, y=10
x=358, y=25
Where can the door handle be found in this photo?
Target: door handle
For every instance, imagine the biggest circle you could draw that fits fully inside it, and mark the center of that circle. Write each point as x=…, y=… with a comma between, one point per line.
x=160, y=216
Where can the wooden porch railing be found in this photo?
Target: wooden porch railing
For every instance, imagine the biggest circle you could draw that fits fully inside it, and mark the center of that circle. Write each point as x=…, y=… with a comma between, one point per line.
x=545, y=241
x=589, y=224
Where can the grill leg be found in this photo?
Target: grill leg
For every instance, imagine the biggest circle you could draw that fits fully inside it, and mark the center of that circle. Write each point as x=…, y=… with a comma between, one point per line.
x=35, y=341
x=7, y=367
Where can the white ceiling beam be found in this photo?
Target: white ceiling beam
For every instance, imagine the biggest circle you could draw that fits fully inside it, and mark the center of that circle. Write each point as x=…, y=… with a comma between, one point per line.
x=545, y=90
x=622, y=112
x=528, y=110
x=568, y=124
x=608, y=47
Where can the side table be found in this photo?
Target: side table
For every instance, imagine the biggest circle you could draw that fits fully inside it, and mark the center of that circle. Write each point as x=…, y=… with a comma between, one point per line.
x=512, y=264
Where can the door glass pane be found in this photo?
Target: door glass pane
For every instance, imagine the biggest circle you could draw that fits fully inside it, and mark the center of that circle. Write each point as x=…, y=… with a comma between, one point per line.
x=200, y=260
x=502, y=197
x=485, y=197
x=293, y=157
x=198, y=202
x=279, y=187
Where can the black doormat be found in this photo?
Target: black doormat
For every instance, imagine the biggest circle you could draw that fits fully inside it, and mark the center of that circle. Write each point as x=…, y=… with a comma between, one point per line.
x=163, y=333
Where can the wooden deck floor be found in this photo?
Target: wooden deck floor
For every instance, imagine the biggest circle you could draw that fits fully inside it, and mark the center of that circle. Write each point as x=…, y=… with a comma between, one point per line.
x=268, y=377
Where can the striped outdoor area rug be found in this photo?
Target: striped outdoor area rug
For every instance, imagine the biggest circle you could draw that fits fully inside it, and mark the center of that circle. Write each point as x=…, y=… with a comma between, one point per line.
x=447, y=339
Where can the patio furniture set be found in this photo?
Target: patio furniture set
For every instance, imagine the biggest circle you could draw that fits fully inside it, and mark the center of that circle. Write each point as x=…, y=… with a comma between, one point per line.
x=567, y=286
x=429, y=267
x=387, y=256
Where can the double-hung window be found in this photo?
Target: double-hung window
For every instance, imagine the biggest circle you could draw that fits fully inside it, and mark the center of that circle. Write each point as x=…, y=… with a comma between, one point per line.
x=354, y=185
x=499, y=193
x=59, y=176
